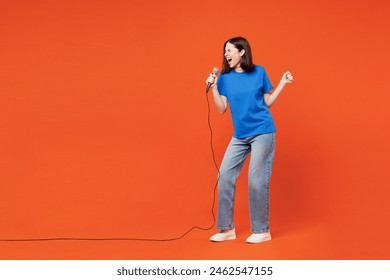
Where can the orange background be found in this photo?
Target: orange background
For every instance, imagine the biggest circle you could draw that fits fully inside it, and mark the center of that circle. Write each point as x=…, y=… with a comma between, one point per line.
x=103, y=125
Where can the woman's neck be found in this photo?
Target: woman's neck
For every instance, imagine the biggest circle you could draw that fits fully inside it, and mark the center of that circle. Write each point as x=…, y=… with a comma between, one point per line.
x=238, y=69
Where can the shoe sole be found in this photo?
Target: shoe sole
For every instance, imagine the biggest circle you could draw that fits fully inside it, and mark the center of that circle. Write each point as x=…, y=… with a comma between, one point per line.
x=260, y=240
x=221, y=240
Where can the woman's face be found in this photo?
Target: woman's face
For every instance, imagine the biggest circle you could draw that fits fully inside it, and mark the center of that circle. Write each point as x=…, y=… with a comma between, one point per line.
x=233, y=56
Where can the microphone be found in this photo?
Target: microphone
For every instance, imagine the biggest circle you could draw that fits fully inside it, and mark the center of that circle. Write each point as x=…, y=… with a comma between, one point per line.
x=214, y=72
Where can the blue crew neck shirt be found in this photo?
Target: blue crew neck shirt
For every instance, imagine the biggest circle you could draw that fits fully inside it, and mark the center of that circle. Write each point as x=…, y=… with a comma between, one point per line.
x=244, y=92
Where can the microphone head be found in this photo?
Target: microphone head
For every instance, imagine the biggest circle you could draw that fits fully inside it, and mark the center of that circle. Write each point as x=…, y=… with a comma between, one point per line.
x=215, y=70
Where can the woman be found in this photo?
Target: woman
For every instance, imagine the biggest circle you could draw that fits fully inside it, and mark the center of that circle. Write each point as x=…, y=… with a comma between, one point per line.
x=245, y=87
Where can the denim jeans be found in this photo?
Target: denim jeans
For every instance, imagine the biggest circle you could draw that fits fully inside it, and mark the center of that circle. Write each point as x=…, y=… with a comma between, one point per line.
x=262, y=150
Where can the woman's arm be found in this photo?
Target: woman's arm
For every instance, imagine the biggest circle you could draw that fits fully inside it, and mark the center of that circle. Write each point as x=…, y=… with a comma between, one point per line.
x=220, y=101
x=270, y=98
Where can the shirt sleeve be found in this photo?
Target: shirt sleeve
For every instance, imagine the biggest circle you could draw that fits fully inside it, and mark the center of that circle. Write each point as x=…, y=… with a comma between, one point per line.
x=220, y=85
x=267, y=86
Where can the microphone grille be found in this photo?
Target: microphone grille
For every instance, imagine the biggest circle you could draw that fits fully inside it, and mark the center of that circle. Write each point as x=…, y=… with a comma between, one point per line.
x=215, y=70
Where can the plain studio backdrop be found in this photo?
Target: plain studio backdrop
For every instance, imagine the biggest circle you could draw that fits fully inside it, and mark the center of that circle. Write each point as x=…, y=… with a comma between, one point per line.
x=104, y=133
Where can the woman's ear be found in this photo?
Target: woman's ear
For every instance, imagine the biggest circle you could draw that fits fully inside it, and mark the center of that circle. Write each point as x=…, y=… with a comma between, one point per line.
x=242, y=52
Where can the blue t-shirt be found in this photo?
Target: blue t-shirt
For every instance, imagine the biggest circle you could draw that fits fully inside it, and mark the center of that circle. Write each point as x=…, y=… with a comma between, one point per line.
x=244, y=92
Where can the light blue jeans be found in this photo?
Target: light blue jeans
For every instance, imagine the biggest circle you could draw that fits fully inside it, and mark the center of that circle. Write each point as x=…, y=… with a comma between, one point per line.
x=262, y=150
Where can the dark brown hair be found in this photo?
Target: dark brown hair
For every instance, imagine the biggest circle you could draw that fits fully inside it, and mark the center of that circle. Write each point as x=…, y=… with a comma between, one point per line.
x=246, y=60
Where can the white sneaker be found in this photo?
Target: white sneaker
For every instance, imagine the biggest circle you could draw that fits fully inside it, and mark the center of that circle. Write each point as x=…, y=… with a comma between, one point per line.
x=222, y=236
x=259, y=237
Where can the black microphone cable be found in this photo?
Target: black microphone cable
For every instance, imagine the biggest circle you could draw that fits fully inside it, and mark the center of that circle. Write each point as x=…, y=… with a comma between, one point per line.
x=133, y=238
